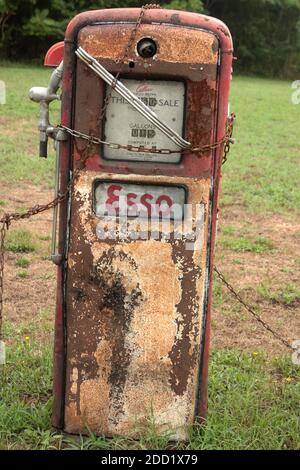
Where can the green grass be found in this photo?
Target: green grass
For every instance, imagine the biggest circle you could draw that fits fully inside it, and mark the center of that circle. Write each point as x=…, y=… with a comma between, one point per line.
x=253, y=402
x=22, y=274
x=23, y=262
x=45, y=238
x=19, y=160
x=286, y=295
x=258, y=245
x=20, y=241
x=263, y=172
x=22, y=210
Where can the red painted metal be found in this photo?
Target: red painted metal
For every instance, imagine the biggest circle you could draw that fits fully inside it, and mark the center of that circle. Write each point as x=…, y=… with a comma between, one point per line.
x=205, y=165
x=54, y=55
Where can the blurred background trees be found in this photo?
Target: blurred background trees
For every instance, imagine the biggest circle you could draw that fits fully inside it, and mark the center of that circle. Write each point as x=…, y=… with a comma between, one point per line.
x=266, y=32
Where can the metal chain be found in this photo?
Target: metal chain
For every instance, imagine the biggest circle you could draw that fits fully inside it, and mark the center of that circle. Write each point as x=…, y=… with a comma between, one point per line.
x=251, y=309
x=226, y=141
x=5, y=222
x=8, y=218
x=229, y=139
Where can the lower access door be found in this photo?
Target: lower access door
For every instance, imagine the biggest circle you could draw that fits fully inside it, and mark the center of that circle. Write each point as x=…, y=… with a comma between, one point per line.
x=135, y=303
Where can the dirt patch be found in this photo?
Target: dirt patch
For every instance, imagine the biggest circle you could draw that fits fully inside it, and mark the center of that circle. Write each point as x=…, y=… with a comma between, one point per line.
x=232, y=326
x=27, y=298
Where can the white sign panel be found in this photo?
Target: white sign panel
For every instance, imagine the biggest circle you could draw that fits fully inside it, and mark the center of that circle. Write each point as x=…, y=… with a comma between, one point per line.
x=139, y=200
x=124, y=125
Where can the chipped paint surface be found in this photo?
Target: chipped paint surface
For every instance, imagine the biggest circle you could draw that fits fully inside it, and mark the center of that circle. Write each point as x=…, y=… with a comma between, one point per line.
x=176, y=44
x=147, y=286
x=134, y=312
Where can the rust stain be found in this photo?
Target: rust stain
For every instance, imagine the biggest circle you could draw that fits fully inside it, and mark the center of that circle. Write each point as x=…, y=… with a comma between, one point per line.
x=200, y=116
x=175, y=18
x=118, y=303
x=183, y=354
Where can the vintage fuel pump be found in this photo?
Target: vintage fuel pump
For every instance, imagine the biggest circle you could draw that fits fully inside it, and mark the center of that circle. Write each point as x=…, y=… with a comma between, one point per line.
x=143, y=126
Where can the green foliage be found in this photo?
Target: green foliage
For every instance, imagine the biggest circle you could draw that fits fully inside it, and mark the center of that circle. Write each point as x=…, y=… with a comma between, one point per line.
x=259, y=245
x=186, y=5
x=41, y=26
x=266, y=33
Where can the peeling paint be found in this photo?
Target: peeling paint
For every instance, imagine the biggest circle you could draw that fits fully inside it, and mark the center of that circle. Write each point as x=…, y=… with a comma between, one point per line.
x=136, y=310
x=193, y=46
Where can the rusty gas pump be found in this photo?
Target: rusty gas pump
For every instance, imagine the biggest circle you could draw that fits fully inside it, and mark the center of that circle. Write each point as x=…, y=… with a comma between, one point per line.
x=144, y=113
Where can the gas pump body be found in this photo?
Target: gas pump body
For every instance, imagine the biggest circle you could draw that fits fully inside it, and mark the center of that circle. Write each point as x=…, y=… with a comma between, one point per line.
x=133, y=315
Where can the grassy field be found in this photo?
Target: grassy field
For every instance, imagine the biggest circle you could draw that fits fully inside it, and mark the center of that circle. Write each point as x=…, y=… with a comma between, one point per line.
x=254, y=402
x=254, y=389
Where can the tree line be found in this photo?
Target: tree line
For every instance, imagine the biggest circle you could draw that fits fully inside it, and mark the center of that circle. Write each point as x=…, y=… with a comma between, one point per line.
x=266, y=33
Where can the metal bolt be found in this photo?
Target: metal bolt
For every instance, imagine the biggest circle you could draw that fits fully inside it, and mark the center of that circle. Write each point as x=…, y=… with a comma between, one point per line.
x=146, y=48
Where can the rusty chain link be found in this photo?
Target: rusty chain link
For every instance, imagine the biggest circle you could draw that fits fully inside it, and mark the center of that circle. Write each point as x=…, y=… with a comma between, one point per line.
x=8, y=218
x=250, y=309
x=228, y=136
x=5, y=222
x=227, y=140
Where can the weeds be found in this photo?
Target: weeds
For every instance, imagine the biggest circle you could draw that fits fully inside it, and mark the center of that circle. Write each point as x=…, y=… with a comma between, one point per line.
x=253, y=403
x=287, y=295
x=259, y=245
x=20, y=241
x=22, y=263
